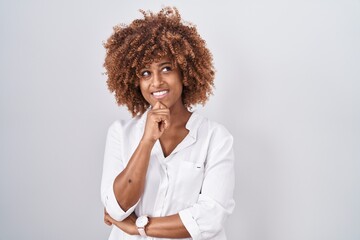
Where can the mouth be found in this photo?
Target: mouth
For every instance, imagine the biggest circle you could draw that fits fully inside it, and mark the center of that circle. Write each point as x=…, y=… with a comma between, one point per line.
x=160, y=94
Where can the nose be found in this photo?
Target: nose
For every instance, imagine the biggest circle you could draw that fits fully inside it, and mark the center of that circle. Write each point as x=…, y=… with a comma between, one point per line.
x=157, y=80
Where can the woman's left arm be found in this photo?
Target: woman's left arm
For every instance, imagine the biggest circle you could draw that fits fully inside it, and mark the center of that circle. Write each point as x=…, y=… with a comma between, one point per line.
x=160, y=227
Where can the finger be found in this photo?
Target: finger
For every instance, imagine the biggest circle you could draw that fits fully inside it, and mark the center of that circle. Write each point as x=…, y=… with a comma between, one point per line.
x=166, y=124
x=161, y=127
x=162, y=110
x=156, y=106
x=108, y=217
x=107, y=220
x=162, y=106
x=162, y=118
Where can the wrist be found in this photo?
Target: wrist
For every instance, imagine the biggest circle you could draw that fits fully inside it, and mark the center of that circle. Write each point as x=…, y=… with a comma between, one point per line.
x=141, y=224
x=134, y=231
x=147, y=142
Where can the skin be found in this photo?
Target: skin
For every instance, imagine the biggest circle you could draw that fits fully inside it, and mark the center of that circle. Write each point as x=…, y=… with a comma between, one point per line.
x=165, y=122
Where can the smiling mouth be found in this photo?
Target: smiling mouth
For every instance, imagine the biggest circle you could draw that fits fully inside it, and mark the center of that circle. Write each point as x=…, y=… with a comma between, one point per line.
x=160, y=94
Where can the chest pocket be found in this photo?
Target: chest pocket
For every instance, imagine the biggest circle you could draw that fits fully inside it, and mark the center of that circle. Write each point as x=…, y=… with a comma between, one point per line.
x=188, y=182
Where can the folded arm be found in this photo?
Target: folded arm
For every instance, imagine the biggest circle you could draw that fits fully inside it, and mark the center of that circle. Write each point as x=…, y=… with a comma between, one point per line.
x=205, y=219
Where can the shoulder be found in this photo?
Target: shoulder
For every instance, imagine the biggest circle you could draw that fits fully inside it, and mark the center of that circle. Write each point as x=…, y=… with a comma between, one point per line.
x=218, y=141
x=214, y=129
x=119, y=127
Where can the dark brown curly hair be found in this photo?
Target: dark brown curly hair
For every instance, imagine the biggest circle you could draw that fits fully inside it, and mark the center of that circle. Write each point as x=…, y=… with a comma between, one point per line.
x=157, y=35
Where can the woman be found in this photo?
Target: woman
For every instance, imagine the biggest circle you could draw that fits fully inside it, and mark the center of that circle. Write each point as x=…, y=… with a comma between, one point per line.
x=168, y=173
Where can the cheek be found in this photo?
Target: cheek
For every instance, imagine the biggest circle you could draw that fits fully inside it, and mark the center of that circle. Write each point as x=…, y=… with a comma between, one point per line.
x=180, y=88
x=143, y=89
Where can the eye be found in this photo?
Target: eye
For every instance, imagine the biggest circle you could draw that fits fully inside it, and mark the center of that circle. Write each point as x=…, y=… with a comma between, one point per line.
x=166, y=69
x=145, y=74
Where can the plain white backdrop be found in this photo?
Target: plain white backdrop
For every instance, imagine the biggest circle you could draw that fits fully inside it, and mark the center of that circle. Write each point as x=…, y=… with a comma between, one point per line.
x=287, y=87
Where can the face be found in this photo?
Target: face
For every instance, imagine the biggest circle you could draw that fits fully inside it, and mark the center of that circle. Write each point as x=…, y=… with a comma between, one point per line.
x=161, y=81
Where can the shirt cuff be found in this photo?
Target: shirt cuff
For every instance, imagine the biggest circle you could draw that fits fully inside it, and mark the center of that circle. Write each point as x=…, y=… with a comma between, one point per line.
x=113, y=208
x=190, y=224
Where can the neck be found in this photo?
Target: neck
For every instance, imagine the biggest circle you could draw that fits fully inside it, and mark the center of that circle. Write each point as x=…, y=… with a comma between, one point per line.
x=179, y=115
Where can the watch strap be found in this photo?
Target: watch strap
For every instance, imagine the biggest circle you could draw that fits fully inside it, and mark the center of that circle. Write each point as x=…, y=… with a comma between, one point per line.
x=142, y=231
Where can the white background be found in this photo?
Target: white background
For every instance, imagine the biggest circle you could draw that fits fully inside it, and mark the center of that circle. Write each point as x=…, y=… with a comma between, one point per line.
x=287, y=87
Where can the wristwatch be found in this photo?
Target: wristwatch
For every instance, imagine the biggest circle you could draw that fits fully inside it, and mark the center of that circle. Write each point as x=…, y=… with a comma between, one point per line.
x=141, y=223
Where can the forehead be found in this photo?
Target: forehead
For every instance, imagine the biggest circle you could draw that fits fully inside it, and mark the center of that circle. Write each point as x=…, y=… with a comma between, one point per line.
x=158, y=62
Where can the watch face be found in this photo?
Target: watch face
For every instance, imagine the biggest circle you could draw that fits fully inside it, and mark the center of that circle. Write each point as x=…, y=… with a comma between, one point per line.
x=142, y=221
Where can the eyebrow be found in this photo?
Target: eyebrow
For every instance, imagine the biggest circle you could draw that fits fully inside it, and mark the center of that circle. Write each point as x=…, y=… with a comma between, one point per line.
x=164, y=63
x=159, y=65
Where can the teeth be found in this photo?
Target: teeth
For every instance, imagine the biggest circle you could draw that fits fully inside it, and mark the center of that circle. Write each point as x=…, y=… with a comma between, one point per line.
x=159, y=93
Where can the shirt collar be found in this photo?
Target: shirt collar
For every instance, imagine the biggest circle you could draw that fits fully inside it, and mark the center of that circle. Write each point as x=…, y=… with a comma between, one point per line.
x=142, y=121
x=193, y=124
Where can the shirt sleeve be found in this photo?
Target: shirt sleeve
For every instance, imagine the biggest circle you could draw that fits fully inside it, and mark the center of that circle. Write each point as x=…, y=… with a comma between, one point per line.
x=205, y=219
x=113, y=165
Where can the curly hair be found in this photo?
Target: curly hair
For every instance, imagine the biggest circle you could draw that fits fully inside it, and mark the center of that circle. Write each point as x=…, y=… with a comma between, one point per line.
x=147, y=40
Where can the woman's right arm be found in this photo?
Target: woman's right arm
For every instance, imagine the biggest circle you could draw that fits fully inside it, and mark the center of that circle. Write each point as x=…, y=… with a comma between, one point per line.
x=128, y=185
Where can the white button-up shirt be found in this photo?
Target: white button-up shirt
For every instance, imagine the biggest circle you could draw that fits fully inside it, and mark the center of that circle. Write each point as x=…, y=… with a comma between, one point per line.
x=196, y=180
